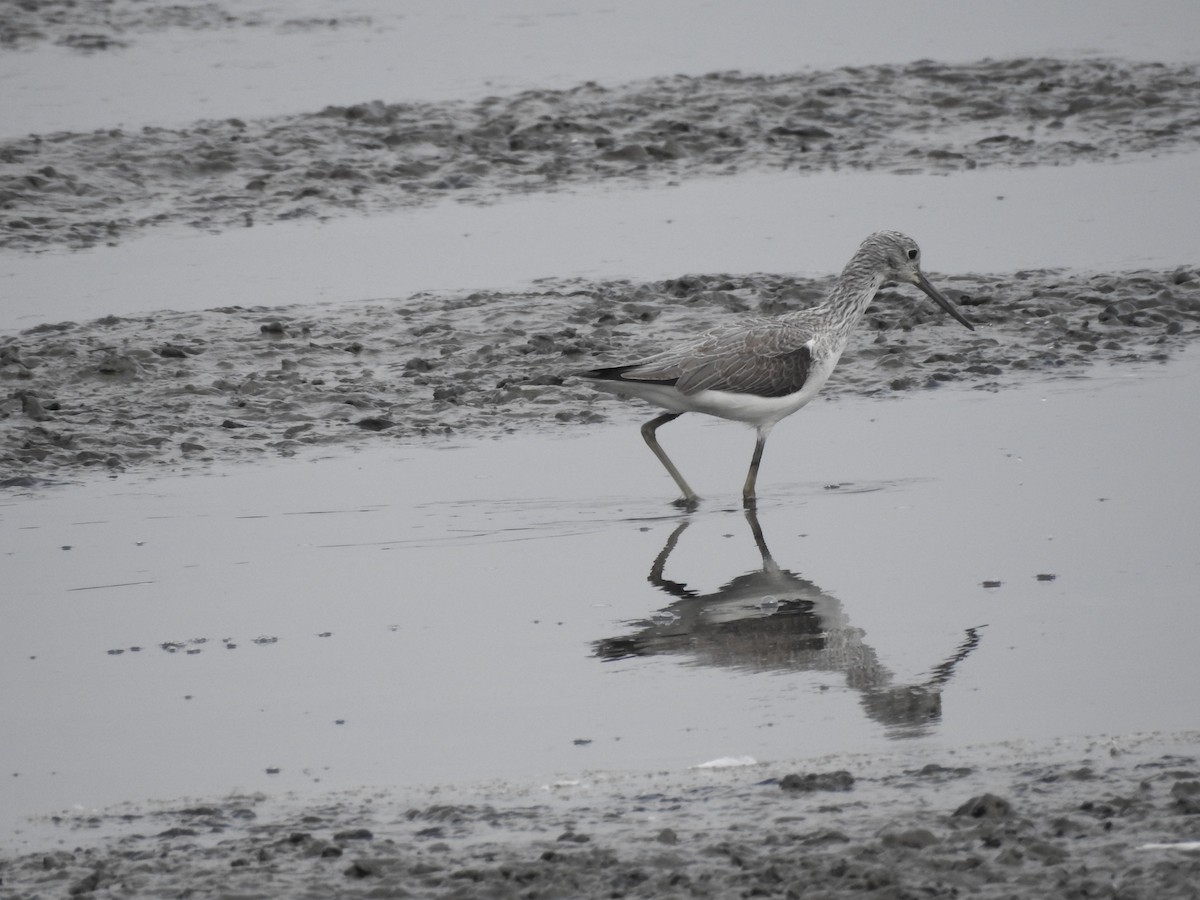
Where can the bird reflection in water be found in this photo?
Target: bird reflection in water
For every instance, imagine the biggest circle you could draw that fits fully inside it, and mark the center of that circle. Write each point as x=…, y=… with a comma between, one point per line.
x=774, y=620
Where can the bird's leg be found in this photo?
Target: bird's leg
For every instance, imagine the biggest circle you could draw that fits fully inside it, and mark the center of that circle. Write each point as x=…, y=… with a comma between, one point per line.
x=769, y=564
x=689, y=499
x=656, y=576
x=748, y=498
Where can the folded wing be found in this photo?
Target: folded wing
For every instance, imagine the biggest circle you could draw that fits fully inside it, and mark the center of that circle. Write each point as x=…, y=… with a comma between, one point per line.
x=764, y=361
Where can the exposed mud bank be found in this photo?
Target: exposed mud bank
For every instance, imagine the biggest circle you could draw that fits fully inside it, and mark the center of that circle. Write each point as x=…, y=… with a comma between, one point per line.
x=1117, y=818
x=83, y=189
x=93, y=26
x=182, y=388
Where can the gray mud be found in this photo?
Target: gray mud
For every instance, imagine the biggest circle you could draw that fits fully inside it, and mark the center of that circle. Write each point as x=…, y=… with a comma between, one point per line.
x=82, y=189
x=1094, y=823
x=184, y=388
x=92, y=26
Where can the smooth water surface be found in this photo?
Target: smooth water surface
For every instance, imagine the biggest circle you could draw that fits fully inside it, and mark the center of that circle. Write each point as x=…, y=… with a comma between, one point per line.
x=1134, y=215
x=534, y=606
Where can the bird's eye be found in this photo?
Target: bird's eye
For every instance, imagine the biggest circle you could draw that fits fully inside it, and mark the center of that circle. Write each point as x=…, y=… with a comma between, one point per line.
x=912, y=254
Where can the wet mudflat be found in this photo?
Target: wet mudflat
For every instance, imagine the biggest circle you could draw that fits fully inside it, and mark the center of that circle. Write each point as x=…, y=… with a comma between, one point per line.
x=1076, y=818
x=175, y=389
x=83, y=189
x=234, y=631
x=403, y=610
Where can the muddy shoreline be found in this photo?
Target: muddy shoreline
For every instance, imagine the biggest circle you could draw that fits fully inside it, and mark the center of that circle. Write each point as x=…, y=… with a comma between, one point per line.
x=101, y=187
x=179, y=389
x=183, y=389
x=1115, y=817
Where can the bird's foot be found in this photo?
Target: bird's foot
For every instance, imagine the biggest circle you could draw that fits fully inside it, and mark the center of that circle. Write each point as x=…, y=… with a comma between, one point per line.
x=688, y=503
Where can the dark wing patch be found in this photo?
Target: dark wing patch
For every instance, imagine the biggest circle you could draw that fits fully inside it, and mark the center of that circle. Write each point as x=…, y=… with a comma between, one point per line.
x=763, y=376
x=764, y=359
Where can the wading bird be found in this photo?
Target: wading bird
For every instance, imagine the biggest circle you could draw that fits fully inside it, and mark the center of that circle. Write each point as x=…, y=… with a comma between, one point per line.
x=762, y=369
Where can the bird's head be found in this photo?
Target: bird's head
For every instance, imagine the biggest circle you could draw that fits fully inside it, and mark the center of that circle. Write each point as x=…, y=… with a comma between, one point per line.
x=898, y=257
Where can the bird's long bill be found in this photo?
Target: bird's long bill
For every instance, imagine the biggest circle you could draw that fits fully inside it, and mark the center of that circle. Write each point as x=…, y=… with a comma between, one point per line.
x=941, y=300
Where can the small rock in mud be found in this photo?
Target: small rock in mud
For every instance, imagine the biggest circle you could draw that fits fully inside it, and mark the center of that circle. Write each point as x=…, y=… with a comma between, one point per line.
x=354, y=834
x=840, y=780
x=1186, y=795
x=114, y=364
x=361, y=869
x=985, y=806
x=375, y=423
x=934, y=770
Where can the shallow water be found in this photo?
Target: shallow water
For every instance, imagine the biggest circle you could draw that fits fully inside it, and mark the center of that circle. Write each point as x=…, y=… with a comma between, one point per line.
x=437, y=610
x=414, y=615
x=429, y=50
x=1138, y=214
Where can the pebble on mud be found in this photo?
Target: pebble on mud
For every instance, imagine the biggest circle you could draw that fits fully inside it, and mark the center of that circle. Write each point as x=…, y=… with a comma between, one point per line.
x=375, y=423
x=985, y=806
x=840, y=780
x=355, y=834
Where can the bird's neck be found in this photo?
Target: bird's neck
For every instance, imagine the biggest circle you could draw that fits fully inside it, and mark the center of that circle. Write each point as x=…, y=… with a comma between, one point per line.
x=848, y=300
